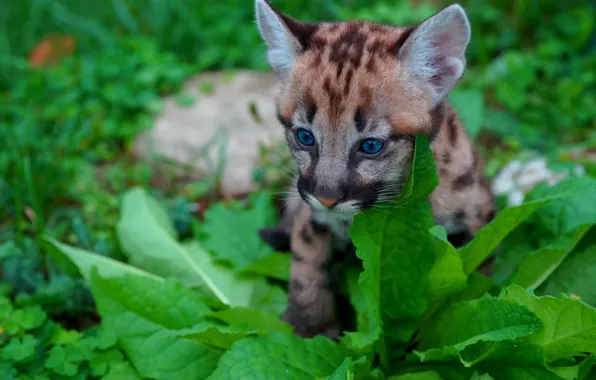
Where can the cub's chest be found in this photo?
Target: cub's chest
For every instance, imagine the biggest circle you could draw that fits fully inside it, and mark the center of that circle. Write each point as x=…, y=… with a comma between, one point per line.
x=338, y=225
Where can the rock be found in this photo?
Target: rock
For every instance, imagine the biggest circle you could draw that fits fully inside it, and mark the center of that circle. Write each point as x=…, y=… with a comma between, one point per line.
x=222, y=115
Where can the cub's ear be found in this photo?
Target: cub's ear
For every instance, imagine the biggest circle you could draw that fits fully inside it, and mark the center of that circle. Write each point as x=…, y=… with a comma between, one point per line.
x=285, y=37
x=435, y=51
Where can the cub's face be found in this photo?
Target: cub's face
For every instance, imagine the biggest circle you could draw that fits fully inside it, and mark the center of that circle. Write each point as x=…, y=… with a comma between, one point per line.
x=353, y=96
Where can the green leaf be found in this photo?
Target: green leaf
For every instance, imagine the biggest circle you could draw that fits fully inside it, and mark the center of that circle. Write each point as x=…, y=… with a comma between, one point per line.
x=397, y=253
x=28, y=318
x=251, y=319
x=168, y=358
x=275, y=266
x=574, y=276
x=121, y=371
x=208, y=334
x=578, y=372
x=469, y=104
x=343, y=372
x=149, y=240
x=489, y=319
x=20, y=349
x=62, y=362
x=488, y=237
x=536, y=267
x=232, y=233
x=280, y=356
x=102, y=360
x=75, y=261
x=447, y=276
x=426, y=375
x=235, y=289
x=569, y=326
x=155, y=300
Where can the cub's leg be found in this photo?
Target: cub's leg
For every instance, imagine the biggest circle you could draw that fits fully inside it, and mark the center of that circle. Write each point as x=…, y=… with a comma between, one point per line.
x=312, y=307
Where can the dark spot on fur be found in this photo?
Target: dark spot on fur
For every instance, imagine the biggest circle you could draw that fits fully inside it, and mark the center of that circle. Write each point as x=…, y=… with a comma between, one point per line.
x=335, y=97
x=276, y=237
x=296, y=285
x=310, y=113
x=283, y=121
x=491, y=215
x=296, y=257
x=436, y=115
x=370, y=65
x=305, y=235
x=447, y=158
x=452, y=129
x=359, y=121
x=465, y=180
x=319, y=228
x=348, y=82
x=401, y=40
x=460, y=215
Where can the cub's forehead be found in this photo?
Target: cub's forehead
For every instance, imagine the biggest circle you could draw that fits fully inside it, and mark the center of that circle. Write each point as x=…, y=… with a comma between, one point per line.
x=348, y=67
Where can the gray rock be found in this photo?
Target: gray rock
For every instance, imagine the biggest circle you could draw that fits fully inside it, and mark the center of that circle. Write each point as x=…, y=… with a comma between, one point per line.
x=193, y=135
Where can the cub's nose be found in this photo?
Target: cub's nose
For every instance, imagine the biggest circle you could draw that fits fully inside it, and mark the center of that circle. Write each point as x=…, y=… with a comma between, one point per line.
x=327, y=202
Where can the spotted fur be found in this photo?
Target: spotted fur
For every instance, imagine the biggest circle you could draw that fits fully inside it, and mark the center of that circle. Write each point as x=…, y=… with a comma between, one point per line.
x=345, y=82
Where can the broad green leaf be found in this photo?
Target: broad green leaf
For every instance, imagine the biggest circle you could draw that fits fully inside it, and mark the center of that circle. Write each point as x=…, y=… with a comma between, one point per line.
x=470, y=106
x=478, y=285
x=537, y=266
x=241, y=323
x=578, y=372
x=519, y=373
x=275, y=266
x=447, y=276
x=569, y=326
x=168, y=358
x=343, y=372
x=231, y=234
x=236, y=289
x=484, y=376
x=150, y=242
x=574, y=276
x=251, y=319
x=488, y=237
x=397, y=253
x=280, y=356
x=77, y=261
x=545, y=228
x=426, y=375
x=208, y=334
x=562, y=216
x=488, y=319
x=166, y=303
x=147, y=239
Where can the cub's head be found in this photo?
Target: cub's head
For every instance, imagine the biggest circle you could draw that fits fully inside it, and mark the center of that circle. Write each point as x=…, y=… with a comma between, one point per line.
x=354, y=94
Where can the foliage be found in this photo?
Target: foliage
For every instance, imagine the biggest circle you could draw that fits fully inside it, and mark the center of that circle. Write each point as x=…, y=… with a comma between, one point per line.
x=422, y=313
x=35, y=347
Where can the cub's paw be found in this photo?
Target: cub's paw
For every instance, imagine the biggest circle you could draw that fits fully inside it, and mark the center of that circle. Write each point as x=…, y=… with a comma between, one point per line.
x=307, y=327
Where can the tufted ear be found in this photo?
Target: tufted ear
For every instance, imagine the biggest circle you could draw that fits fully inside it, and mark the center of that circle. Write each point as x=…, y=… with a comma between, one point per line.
x=435, y=51
x=285, y=37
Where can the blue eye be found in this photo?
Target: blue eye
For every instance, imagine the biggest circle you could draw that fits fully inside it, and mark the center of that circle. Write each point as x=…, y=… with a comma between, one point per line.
x=371, y=146
x=305, y=137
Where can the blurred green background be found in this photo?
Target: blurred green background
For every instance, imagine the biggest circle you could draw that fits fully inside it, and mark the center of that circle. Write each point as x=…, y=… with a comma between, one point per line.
x=67, y=126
